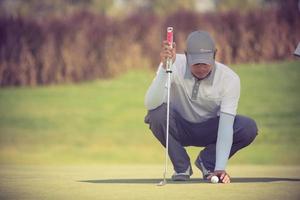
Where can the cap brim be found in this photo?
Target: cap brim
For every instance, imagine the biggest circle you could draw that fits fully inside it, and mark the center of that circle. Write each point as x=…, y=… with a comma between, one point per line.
x=206, y=58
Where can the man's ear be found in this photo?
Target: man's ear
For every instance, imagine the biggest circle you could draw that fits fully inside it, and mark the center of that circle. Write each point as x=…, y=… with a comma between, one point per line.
x=215, y=54
x=187, y=62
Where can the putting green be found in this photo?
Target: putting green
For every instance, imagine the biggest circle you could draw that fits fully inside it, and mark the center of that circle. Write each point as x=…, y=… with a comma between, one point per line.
x=139, y=182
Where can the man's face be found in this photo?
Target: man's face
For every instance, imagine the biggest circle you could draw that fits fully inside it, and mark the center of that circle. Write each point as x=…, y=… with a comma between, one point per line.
x=201, y=70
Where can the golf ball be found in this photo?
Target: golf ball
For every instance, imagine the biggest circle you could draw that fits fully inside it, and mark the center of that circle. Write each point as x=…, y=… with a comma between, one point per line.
x=214, y=179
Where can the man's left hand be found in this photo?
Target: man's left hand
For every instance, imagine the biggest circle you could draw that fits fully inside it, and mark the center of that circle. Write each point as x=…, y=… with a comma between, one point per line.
x=222, y=174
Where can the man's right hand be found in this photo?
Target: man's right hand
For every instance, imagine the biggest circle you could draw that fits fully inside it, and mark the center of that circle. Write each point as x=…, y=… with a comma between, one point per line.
x=167, y=52
x=222, y=174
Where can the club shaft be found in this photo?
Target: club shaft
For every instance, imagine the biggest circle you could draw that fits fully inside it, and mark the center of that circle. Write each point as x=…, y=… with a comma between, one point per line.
x=169, y=71
x=169, y=62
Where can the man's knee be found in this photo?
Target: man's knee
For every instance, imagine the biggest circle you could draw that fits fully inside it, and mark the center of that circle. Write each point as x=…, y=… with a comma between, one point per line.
x=156, y=120
x=247, y=129
x=156, y=116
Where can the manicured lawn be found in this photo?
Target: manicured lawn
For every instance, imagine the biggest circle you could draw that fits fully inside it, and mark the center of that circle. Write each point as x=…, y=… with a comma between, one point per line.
x=102, y=121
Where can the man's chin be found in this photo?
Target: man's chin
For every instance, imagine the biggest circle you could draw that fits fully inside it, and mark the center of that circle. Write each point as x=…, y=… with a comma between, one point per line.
x=200, y=76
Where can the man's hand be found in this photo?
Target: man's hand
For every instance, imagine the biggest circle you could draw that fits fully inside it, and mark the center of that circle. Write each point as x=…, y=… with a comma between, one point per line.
x=223, y=176
x=167, y=52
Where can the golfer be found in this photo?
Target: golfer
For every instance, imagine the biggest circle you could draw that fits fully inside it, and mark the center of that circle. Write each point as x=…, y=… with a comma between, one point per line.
x=203, y=109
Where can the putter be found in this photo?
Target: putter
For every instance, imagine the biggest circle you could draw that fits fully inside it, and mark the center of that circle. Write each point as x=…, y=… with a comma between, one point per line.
x=168, y=71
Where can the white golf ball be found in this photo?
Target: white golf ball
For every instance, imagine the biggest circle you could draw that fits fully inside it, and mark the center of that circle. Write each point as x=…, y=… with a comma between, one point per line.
x=214, y=179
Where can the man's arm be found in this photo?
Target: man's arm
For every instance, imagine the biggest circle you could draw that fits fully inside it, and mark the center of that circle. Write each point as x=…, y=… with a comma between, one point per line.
x=228, y=110
x=224, y=140
x=156, y=93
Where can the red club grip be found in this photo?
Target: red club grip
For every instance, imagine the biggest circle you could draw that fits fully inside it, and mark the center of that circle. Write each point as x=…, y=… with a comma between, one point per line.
x=170, y=35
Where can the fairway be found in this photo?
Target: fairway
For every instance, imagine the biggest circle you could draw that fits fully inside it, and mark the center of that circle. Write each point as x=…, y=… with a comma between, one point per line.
x=102, y=121
x=99, y=100
x=89, y=141
x=129, y=182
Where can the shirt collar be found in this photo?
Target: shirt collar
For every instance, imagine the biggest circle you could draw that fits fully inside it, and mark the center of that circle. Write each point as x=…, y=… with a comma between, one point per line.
x=210, y=78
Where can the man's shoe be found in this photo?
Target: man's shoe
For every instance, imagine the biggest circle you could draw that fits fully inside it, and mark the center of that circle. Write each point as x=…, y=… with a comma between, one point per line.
x=205, y=172
x=183, y=176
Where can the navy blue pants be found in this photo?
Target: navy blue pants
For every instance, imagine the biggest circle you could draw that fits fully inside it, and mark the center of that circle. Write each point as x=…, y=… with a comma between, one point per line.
x=184, y=133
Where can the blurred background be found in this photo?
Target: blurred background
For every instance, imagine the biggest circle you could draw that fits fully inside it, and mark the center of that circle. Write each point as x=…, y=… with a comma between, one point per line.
x=73, y=74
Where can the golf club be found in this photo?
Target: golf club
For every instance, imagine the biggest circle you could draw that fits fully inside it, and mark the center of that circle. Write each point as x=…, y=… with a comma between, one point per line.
x=168, y=71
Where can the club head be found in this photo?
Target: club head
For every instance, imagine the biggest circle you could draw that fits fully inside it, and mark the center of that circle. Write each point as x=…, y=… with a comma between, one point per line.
x=162, y=183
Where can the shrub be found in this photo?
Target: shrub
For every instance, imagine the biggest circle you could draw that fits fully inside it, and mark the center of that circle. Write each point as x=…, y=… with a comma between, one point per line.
x=86, y=46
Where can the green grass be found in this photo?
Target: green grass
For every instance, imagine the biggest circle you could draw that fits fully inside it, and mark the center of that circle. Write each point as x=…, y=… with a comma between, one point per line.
x=129, y=182
x=102, y=121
